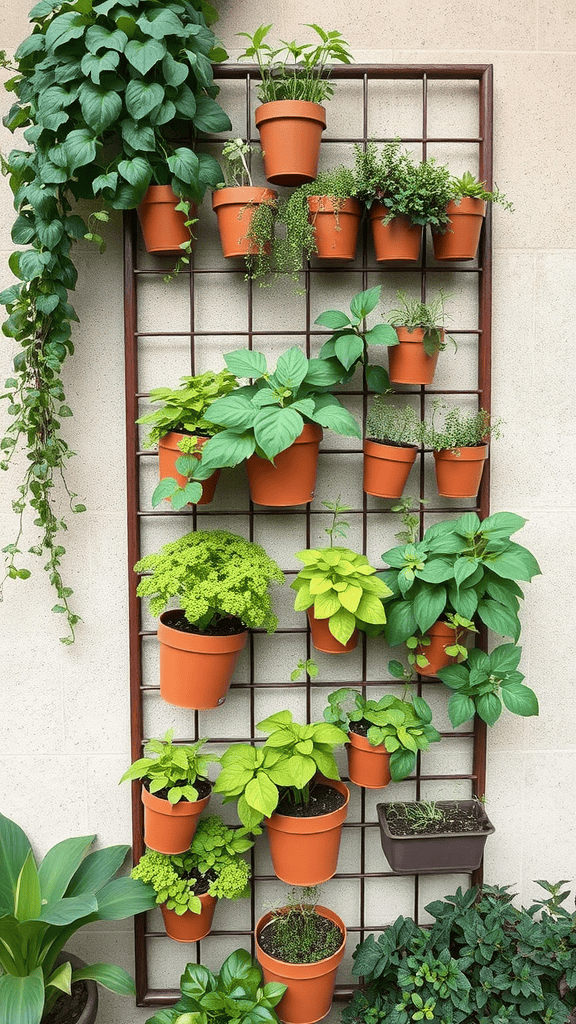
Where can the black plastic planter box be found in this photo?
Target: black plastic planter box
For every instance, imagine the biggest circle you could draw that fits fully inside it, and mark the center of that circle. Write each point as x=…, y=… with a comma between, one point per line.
x=443, y=853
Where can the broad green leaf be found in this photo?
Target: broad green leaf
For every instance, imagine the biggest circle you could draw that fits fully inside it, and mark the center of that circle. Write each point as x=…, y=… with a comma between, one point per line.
x=519, y=699
x=165, y=489
x=189, y=495
x=98, y=38
x=235, y=411
x=114, y=978
x=326, y=604
x=515, y=563
x=210, y=117
x=502, y=524
x=454, y=676
x=65, y=27
x=348, y=348
x=429, y=604
x=225, y=449
x=137, y=171
x=400, y=622
x=103, y=181
x=401, y=764
x=436, y=570
x=123, y=897
x=100, y=107
x=460, y=709
x=197, y=980
x=185, y=102
x=96, y=869
x=323, y=372
x=364, y=302
x=22, y=999
x=80, y=146
x=505, y=658
x=245, y=363
x=22, y=230
x=338, y=419
x=142, y=97
x=381, y=334
x=342, y=624
x=143, y=55
x=184, y=164
x=61, y=978
x=377, y=379
x=60, y=864
x=333, y=319
x=499, y=619
x=67, y=910
x=489, y=708
x=28, y=898
x=291, y=368
x=160, y=23
x=94, y=66
x=138, y=136
x=370, y=609
x=463, y=568
x=276, y=429
x=262, y=794
x=173, y=72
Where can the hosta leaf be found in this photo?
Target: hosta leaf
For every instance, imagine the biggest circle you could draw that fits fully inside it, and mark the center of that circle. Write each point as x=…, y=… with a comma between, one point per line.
x=98, y=38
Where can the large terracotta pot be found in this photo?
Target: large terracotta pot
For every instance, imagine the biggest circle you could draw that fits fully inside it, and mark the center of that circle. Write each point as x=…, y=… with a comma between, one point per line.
x=368, y=766
x=190, y=927
x=196, y=670
x=169, y=828
x=290, y=134
x=441, y=637
x=460, y=242
x=323, y=640
x=387, y=468
x=336, y=224
x=163, y=226
x=235, y=208
x=408, y=362
x=169, y=452
x=459, y=470
x=291, y=478
x=399, y=240
x=310, y=986
x=304, y=851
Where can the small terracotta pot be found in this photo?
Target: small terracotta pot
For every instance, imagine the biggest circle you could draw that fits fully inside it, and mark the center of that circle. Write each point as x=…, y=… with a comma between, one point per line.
x=336, y=224
x=322, y=638
x=235, y=208
x=291, y=478
x=460, y=242
x=387, y=468
x=163, y=226
x=441, y=637
x=169, y=828
x=368, y=766
x=169, y=452
x=190, y=927
x=290, y=135
x=196, y=670
x=459, y=471
x=304, y=851
x=408, y=362
x=310, y=986
x=399, y=240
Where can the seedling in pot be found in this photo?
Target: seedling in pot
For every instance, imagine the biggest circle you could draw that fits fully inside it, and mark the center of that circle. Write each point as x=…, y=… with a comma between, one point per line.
x=459, y=624
x=414, y=313
x=175, y=768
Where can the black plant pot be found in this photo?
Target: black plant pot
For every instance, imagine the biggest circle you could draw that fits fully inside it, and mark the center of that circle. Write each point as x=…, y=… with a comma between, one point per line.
x=90, y=1011
x=443, y=853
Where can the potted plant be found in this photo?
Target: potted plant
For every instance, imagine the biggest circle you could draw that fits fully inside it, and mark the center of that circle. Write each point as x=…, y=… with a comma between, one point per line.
x=418, y=325
x=180, y=429
x=292, y=782
x=40, y=909
x=459, y=236
x=390, y=447
x=301, y=945
x=222, y=582
x=294, y=83
x=275, y=424
x=188, y=885
x=349, y=342
x=444, y=643
x=175, y=791
x=460, y=448
x=434, y=837
x=238, y=202
x=485, y=683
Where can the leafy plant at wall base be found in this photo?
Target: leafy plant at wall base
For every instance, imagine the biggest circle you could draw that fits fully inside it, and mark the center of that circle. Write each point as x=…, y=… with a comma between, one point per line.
x=349, y=343
x=94, y=90
x=175, y=768
x=295, y=71
x=486, y=683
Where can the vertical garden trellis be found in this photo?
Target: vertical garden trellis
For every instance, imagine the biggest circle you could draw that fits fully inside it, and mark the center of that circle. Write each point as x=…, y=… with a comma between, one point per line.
x=370, y=76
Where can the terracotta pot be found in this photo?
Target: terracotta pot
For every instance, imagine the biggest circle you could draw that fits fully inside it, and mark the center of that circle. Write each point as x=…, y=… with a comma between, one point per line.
x=235, y=208
x=399, y=240
x=196, y=670
x=291, y=478
x=169, y=452
x=387, y=468
x=90, y=1011
x=438, y=854
x=304, y=851
x=190, y=927
x=163, y=226
x=368, y=766
x=169, y=828
x=460, y=242
x=408, y=362
x=290, y=134
x=441, y=637
x=310, y=986
x=335, y=225
x=323, y=640
x=459, y=471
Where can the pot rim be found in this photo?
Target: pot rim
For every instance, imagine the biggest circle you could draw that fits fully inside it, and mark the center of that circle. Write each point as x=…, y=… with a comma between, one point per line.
x=482, y=818
x=183, y=809
x=299, y=109
x=468, y=206
x=310, y=970
x=390, y=452
x=162, y=194
x=477, y=453
x=307, y=826
x=351, y=206
x=183, y=641
x=242, y=195
x=415, y=337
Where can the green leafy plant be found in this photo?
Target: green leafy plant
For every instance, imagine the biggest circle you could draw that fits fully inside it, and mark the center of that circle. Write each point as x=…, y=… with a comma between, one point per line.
x=175, y=768
x=300, y=932
x=459, y=429
x=257, y=778
x=308, y=667
x=394, y=425
x=416, y=645
x=350, y=341
x=41, y=906
x=235, y=156
x=214, y=574
x=95, y=90
x=295, y=71
x=487, y=682
x=234, y=996
x=409, y=520
x=469, y=186
x=420, y=192
x=430, y=316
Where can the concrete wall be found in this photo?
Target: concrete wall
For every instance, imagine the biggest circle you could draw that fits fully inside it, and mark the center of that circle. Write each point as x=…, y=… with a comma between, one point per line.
x=65, y=732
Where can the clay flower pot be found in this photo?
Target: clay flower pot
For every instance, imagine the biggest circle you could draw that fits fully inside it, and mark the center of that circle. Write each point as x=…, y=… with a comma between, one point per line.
x=163, y=226
x=235, y=208
x=459, y=470
x=310, y=986
x=169, y=828
x=441, y=853
x=441, y=637
x=387, y=468
x=291, y=478
x=336, y=224
x=408, y=362
x=460, y=242
x=399, y=240
x=368, y=766
x=304, y=851
x=290, y=135
x=322, y=638
x=196, y=669
x=169, y=452
x=190, y=927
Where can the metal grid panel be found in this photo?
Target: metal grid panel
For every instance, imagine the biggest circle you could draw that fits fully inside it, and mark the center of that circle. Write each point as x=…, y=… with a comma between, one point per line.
x=371, y=77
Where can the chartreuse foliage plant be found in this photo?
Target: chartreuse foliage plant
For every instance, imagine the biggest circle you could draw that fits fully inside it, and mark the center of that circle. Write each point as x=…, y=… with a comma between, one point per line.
x=234, y=996
x=99, y=88
x=175, y=768
x=42, y=905
x=487, y=682
x=214, y=574
x=350, y=341
x=296, y=71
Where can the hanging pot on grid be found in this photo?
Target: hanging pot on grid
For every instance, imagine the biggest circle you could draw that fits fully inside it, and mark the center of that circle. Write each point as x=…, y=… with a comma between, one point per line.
x=290, y=135
x=459, y=470
x=164, y=227
x=196, y=668
x=387, y=467
x=462, y=236
x=169, y=828
x=399, y=240
x=190, y=927
x=291, y=478
x=168, y=454
x=304, y=850
x=234, y=209
x=336, y=223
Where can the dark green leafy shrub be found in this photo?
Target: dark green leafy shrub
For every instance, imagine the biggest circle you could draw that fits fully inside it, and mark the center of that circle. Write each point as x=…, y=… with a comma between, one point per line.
x=487, y=682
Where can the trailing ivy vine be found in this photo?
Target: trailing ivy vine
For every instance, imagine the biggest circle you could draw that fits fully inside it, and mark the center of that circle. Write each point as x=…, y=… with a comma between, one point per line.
x=104, y=92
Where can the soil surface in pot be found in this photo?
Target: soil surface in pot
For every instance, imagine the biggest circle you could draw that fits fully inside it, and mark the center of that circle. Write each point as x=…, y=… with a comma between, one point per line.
x=202, y=882
x=300, y=938
x=360, y=728
x=227, y=625
x=323, y=800
x=455, y=820
x=202, y=786
x=68, y=1009
x=391, y=444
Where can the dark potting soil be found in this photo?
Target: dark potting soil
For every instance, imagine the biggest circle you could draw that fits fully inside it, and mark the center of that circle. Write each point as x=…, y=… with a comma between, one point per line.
x=454, y=820
x=323, y=800
x=360, y=728
x=203, y=882
x=392, y=444
x=68, y=1009
x=225, y=626
x=304, y=939
x=202, y=786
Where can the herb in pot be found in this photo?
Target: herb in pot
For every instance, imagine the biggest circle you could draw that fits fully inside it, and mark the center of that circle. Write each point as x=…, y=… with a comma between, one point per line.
x=180, y=770
x=297, y=933
x=487, y=682
x=295, y=71
x=460, y=429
